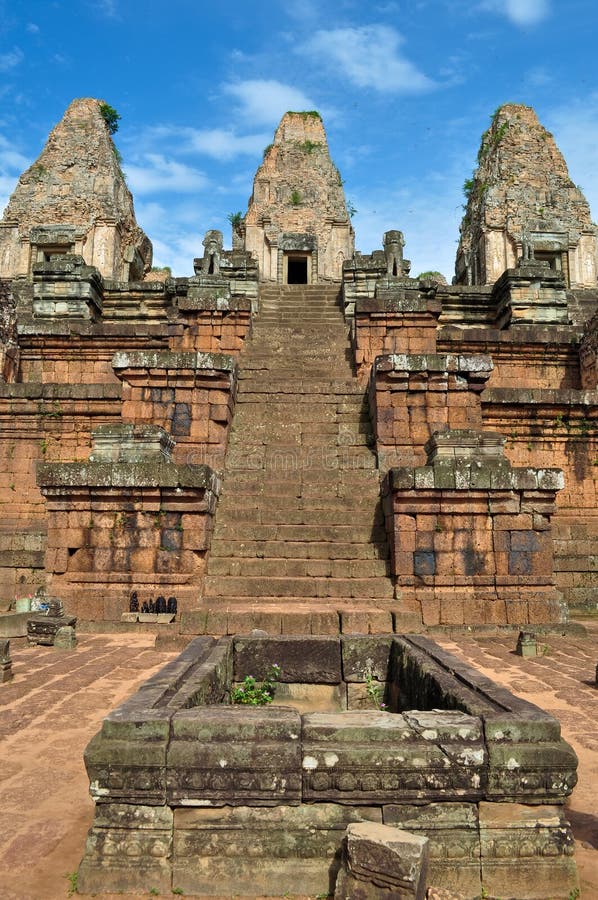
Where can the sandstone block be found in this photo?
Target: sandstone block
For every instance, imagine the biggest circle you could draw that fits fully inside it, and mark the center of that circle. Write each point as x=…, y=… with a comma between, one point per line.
x=382, y=862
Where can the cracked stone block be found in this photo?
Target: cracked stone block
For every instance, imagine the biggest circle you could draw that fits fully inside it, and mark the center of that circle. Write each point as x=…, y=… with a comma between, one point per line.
x=382, y=863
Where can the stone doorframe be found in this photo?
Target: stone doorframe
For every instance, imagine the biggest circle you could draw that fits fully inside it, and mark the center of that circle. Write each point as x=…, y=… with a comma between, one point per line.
x=297, y=246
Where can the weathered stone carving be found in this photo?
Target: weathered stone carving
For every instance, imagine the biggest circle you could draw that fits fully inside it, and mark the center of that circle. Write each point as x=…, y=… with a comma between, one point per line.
x=393, y=251
x=380, y=862
x=212, y=243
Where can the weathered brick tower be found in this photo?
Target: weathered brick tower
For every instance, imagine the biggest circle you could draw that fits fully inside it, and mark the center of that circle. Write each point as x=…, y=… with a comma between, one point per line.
x=74, y=199
x=297, y=226
x=298, y=436
x=521, y=203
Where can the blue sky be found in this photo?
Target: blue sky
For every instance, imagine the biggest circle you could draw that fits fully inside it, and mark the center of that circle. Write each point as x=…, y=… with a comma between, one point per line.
x=405, y=90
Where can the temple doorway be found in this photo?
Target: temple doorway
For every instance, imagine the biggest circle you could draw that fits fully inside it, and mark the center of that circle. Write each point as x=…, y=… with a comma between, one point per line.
x=297, y=269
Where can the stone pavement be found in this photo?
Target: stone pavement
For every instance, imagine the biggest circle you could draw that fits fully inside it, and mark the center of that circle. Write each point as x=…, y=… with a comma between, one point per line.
x=47, y=716
x=57, y=700
x=563, y=683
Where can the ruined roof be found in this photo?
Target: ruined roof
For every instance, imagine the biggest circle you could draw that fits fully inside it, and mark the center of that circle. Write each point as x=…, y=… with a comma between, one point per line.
x=77, y=179
x=521, y=182
x=297, y=185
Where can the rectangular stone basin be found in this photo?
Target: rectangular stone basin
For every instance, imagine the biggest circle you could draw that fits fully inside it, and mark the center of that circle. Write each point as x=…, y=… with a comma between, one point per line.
x=196, y=794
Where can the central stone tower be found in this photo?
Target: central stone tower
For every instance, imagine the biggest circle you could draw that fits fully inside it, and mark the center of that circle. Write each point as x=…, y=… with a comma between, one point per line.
x=297, y=225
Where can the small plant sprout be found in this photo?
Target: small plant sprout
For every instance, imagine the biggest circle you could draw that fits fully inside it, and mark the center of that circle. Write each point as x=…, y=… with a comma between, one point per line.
x=255, y=693
x=373, y=688
x=72, y=880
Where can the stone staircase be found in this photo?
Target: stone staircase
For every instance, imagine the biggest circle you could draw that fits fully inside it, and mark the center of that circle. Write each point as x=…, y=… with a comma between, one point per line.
x=299, y=526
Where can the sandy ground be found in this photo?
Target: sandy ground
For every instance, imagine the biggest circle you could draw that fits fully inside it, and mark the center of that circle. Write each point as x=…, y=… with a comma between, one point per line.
x=58, y=698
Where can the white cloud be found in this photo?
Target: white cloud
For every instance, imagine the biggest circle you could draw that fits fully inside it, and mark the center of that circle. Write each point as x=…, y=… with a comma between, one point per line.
x=11, y=59
x=370, y=57
x=225, y=144
x=177, y=236
x=575, y=128
x=108, y=8
x=520, y=12
x=428, y=218
x=12, y=164
x=263, y=102
x=153, y=172
x=218, y=143
x=32, y=28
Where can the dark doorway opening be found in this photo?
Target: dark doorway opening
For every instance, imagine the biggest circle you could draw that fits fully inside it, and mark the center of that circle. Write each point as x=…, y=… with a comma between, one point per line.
x=297, y=270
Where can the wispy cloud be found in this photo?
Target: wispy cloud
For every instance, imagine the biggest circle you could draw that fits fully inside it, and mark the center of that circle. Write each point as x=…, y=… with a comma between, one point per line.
x=575, y=128
x=520, y=12
x=217, y=143
x=153, y=172
x=12, y=163
x=369, y=56
x=427, y=213
x=11, y=59
x=263, y=102
x=107, y=8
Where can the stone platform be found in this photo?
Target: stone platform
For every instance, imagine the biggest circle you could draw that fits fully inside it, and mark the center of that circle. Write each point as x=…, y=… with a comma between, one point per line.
x=195, y=794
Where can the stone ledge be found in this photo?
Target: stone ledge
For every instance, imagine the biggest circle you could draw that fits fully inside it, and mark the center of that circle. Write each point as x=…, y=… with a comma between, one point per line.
x=541, y=396
x=148, y=474
x=474, y=474
x=476, y=363
x=167, y=359
x=524, y=334
x=36, y=391
x=390, y=301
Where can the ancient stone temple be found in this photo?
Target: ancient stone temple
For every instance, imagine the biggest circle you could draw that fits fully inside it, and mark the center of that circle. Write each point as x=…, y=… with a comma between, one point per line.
x=297, y=226
x=315, y=458
x=521, y=203
x=74, y=199
x=299, y=436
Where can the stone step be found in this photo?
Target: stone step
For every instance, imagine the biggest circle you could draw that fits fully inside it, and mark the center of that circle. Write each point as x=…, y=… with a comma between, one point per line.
x=304, y=380
x=287, y=370
x=345, y=481
x=241, y=586
x=362, y=505
x=285, y=394
x=265, y=486
x=294, y=460
x=297, y=568
x=274, y=514
x=243, y=531
x=326, y=550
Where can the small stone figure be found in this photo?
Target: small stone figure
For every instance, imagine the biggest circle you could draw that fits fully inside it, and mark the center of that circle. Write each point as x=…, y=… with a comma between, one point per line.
x=172, y=605
x=212, y=243
x=152, y=606
x=393, y=250
x=161, y=604
x=134, y=603
x=5, y=662
x=55, y=608
x=144, y=607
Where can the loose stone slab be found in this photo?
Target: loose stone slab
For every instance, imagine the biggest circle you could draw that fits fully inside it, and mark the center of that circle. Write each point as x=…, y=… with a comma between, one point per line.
x=382, y=862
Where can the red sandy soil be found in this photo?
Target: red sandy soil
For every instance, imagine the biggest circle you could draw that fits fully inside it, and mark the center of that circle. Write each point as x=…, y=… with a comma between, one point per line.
x=58, y=698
